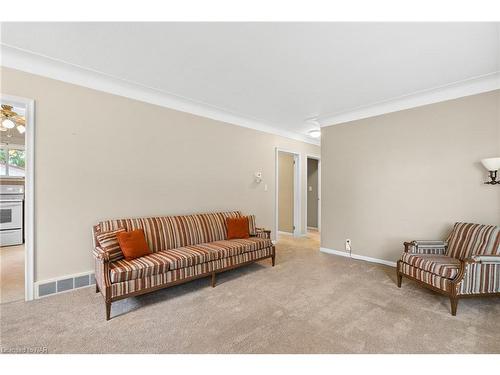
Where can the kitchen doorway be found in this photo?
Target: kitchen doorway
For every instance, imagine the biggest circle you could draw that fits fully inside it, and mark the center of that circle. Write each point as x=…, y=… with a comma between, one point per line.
x=16, y=198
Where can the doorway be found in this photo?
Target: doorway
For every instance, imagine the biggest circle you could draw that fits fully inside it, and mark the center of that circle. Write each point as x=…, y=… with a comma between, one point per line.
x=16, y=198
x=287, y=192
x=313, y=194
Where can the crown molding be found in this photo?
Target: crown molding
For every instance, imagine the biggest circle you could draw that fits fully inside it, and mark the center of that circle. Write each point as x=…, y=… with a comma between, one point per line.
x=476, y=85
x=15, y=58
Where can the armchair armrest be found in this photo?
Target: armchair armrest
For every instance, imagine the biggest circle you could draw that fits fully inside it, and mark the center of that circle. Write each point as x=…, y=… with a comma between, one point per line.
x=485, y=259
x=478, y=274
x=426, y=247
x=263, y=233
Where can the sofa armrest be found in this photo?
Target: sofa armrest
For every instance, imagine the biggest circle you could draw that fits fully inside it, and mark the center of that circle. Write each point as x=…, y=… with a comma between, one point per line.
x=101, y=274
x=426, y=247
x=100, y=254
x=263, y=233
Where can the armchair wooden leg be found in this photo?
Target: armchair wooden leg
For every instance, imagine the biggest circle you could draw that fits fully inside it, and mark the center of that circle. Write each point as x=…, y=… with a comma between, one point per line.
x=454, y=304
x=96, y=288
x=213, y=280
x=273, y=257
x=108, y=310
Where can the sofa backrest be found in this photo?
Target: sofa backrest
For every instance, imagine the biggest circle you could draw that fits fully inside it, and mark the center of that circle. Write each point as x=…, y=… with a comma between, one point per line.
x=170, y=232
x=467, y=239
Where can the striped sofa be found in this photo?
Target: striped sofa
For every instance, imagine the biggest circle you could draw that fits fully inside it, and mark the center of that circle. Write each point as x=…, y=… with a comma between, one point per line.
x=467, y=264
x=183, y=248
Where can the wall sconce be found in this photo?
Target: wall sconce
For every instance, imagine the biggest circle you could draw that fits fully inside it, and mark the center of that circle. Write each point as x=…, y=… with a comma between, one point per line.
x=258, y=177
x=492, y=165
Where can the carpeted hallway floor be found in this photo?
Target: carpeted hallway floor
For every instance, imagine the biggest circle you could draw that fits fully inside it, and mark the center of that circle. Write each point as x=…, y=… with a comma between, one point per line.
x=309, y=303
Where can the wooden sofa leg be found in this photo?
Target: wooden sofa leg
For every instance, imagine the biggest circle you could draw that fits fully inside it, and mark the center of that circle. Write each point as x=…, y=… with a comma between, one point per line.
x=108, y=310
x=399, y=275
x=213, y=280
x=273, y=257
x=454, y=304
x=96, y=288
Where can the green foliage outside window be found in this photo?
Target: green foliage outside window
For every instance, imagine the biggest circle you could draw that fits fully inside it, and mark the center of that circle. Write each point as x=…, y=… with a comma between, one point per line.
x=12, y=162
x=16, y=158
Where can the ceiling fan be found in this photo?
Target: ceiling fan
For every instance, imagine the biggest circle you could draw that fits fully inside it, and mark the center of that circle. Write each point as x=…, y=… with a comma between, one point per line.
x=10, y=120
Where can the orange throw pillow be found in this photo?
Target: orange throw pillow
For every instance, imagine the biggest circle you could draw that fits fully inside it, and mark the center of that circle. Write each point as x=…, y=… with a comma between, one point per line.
x=133, y=244
x=237, y=227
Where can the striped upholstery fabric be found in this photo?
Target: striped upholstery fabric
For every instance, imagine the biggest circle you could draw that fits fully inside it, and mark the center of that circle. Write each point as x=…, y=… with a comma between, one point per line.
x=426, y=277
x=427, y=247
x=263, y=233
x=109, y=244
x=440, y=265
x=480, y=278
x=100, y=254
x=126, y=287
x=170, y=232
x=188, y=256
x=252, y=230
x=101, y=273
x=468, y=239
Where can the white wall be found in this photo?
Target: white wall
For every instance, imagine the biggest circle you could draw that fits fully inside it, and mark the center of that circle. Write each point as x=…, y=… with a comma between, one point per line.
x=409, y=175
x=101, y=156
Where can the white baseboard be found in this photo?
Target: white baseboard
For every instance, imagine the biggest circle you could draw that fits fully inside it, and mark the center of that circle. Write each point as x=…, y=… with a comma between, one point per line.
x=374, y=260
x=335, y=252
x=357, y=256
x=292, y=234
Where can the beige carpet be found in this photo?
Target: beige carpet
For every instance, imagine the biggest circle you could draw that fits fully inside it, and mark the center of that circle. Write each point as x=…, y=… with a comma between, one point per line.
x=11, y=273
x=309, y=303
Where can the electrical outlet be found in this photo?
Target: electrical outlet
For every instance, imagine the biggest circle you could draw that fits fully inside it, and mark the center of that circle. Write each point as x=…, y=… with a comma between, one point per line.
x=348, y=245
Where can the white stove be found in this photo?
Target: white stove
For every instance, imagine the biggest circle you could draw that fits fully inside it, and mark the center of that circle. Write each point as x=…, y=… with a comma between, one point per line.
x=11, y=215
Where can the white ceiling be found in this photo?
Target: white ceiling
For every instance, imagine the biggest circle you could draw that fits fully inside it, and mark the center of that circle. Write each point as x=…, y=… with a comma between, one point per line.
x=277, y=74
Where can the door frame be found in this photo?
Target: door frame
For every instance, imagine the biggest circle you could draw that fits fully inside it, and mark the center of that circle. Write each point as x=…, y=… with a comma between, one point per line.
x=296, y=190
x=318, y=158
x=29, y=190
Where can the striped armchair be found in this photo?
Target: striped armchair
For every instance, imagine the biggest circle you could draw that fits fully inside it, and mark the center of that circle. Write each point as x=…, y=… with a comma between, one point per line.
x=467, y=264
x=183, y=248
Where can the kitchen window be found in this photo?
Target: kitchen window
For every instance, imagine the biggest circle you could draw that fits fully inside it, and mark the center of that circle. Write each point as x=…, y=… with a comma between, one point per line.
x=12, y=161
